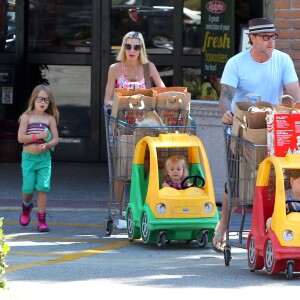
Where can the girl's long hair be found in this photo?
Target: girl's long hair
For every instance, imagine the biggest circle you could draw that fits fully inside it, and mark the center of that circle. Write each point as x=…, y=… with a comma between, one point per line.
x=51, y=109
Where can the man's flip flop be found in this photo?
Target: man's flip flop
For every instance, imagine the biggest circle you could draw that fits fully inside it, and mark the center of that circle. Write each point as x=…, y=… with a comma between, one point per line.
x=218, y=249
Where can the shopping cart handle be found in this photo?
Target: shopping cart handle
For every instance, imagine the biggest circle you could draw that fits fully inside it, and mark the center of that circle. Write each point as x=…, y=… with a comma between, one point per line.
x=226, y=123
x=227, y=128
x=107, y=109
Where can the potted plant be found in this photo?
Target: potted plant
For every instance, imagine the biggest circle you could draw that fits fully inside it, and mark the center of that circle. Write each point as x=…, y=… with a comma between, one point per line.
x=4, y=249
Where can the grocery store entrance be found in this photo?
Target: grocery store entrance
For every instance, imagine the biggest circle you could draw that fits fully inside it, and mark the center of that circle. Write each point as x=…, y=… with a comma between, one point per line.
x=70, y=44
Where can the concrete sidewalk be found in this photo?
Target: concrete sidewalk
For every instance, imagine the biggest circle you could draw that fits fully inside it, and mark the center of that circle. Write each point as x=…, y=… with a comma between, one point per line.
x=74, y=185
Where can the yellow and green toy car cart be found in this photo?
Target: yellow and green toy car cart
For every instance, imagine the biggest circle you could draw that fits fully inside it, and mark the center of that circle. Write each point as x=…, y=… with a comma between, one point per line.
x=157, y=214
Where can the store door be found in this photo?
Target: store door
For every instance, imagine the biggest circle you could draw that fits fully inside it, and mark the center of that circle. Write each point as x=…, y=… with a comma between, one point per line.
x=62, y=47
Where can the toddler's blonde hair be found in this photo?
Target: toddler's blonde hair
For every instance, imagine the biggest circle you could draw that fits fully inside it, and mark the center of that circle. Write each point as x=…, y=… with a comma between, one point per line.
x=176, y=159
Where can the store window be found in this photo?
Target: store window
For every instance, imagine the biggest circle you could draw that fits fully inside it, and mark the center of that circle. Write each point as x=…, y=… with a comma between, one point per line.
x=7, y=26
x=192, y=80
x=153, y=18
x=63, y=26
x=191, y=27
x=71, y=87
x=166, y=74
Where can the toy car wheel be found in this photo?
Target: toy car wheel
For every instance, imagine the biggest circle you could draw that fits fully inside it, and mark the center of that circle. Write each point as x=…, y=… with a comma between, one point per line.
x=145, y=228
x=254, y=262
x=269, y=257
x=289, y=270
x=130, y=226
x=108, y=227
x=202, y=239
x=161, y=239
x=227, y=256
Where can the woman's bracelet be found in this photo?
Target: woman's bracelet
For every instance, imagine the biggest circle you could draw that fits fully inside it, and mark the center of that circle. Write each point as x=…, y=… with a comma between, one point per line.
x=34, y=138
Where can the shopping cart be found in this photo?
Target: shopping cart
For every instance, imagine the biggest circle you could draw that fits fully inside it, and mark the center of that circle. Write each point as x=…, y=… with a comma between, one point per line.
x=121, y=140
x=243, y=159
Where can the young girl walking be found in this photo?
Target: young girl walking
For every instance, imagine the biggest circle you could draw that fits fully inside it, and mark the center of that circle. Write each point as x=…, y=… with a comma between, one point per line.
x=38, y=134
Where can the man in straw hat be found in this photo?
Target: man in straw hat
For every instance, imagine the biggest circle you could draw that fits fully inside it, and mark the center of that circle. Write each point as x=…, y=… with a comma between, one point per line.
x=261, y=70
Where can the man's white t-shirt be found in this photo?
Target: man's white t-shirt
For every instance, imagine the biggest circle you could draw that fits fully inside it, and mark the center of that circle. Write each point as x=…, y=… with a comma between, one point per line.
x=266, y=79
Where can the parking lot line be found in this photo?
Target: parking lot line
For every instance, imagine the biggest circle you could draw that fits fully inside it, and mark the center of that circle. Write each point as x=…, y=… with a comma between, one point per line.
x=61, y=224
x=68, y=257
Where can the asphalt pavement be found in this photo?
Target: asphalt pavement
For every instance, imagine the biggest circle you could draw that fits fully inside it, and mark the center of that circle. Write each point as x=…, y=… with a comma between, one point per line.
x=77, y=260
x=75, y=185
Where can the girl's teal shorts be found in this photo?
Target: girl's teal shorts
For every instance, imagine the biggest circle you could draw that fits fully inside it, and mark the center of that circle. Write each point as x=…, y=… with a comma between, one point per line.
x=36, y=170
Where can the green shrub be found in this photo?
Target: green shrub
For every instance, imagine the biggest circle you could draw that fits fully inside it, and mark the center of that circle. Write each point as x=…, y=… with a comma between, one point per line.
x=4, y=249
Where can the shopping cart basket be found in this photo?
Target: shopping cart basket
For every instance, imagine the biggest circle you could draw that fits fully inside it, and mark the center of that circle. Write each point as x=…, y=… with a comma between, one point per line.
x=121, y=140
x=243, y=159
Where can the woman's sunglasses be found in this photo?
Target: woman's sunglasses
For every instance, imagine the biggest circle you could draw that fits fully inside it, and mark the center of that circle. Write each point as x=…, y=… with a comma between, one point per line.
x=135, y=47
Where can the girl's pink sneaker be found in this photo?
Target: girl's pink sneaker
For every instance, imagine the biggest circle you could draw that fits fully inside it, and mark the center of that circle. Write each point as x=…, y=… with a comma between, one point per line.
x=41, y=222
x=25, y=214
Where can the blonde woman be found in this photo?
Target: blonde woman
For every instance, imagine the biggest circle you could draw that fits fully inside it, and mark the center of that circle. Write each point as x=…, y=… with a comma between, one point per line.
x=128, y=73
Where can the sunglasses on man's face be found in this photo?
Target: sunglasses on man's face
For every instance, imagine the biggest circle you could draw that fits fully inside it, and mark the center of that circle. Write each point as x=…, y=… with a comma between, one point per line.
x=135, y=47
x=266, y=37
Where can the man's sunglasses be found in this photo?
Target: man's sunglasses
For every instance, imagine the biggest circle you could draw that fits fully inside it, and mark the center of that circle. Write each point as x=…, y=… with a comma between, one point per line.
x=267, y=37
x=135, y=47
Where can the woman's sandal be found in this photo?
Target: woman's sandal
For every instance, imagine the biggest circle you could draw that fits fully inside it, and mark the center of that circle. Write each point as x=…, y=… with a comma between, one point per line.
x=221, y=241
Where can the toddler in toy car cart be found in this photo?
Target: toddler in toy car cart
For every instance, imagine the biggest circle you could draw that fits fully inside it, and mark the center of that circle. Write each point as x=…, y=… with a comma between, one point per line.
x=175, y=170
x=291, y=194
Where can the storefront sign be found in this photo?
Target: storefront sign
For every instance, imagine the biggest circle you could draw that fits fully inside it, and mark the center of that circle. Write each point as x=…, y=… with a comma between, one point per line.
x=6, y=82
x=7, y=95
x=217, y=36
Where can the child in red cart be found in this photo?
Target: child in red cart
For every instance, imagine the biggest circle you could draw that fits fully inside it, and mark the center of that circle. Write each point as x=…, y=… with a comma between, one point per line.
x=292, y=193
x=175, y=171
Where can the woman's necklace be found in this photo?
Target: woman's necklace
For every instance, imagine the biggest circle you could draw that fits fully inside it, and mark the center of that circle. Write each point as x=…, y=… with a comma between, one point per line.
x=137, y=73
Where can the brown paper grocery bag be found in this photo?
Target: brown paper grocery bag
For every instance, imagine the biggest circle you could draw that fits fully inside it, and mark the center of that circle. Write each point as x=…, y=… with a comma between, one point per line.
x=255, y=151
x=254, y=119
x=174, y=107
x=123, y=92
x=125, y=146
x=247, y=182
x=129, y=105
x=249, y=116
x=288, y=101
x=159, y=90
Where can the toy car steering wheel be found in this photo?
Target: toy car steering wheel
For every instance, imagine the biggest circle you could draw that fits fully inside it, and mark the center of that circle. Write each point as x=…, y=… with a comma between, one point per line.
x=195, y=178
x=290, y=206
